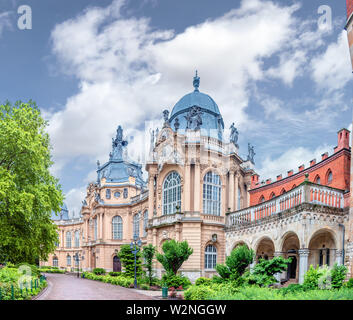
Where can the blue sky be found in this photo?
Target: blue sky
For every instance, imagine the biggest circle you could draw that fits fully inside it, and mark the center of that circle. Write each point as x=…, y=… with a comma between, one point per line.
x=92, y=65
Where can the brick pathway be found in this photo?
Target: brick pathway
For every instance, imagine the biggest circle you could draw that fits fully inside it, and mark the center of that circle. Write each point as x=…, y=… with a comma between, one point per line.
x=67, y=287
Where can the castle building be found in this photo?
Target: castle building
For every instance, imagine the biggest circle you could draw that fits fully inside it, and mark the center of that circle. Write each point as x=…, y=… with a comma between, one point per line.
x=199, y=189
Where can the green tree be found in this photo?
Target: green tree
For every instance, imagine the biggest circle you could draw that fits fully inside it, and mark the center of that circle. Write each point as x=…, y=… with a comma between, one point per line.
x=236, y=263
x=28, y=192
x=175, y=254
x=127, y=259
x=264, y=271
x=338, y=274
x=148, y=253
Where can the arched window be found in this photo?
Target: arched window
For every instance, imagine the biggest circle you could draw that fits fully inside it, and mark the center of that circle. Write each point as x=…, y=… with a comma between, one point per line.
x=210, y=257
x=68, y=260
x=329, y=176
x=108, y=193
x=55, y=262
x=136, y=225
x=317, y=179
x=212, y=194
x=76, y=259
x=239, y=199
x=283, y=191
x=262, y=199
x=77, y=238
x=171, y=193
x=272, y=195
x=68, y=239
x=145, y=223
x=294, y=186
x=117, y=228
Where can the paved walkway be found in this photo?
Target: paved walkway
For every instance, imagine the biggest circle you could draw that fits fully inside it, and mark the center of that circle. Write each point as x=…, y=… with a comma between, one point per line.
x=68, y=287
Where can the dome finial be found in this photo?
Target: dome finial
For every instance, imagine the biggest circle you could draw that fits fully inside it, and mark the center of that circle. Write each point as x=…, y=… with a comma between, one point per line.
x=196, y=82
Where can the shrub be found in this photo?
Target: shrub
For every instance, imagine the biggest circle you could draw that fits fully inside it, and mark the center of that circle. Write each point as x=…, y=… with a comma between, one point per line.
x=148, y=253
x=264, y=271
x=349, y=283
x=217, y=279
x=115, y=274
x=128, y=260
x=144, y=286
x=176, y=281
x=236, y=263
x=203, y=281
x=175, y=254
x=294, y=287
x=311, y=278
x=338, y=274
x=98, y=271
x=199, y=293
x=34, y=269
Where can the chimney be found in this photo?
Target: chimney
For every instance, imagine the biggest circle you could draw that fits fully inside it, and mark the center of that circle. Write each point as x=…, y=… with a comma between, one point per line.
x=301, y=168
x=342, y=140
x=290, y=173
x=312, y=162
x=268, y=181
x=279, y=177
x=324, y=156
x=254, y=180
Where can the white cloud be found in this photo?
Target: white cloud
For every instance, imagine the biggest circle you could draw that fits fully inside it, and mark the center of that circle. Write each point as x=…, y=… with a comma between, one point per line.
x=332, y=69
x=290, y=160
x=73, y=200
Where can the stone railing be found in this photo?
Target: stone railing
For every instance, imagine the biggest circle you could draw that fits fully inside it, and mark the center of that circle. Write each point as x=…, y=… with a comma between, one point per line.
x=139, y=197
x=187, y=216
x=305, y=193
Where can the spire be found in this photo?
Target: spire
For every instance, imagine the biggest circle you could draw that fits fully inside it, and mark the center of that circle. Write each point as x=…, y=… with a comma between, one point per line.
x=196, y=82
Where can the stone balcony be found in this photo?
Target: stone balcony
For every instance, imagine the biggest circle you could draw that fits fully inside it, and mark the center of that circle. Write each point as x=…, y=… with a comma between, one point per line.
x=306, y=197
x=170, y=219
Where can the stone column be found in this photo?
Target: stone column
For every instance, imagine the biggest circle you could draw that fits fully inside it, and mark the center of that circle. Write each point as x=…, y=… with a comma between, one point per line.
x=151, y=196
x=102, y=226
x=235, y=196
x=303, y=264
x=98, y=226
x=231, y=190
x=197, y=193
x=186, y=188
x=339, y=254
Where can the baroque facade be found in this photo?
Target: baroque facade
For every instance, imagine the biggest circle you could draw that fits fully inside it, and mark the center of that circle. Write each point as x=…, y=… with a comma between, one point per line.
x=199, y=189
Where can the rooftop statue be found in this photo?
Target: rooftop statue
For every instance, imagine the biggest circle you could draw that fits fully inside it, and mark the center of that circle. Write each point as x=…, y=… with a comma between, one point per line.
x=166, y=120
x=234, y=135
x=251, y=153
x=118, y=144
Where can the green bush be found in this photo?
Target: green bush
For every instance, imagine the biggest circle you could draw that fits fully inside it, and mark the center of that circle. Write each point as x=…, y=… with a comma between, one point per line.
x=338, y=274
x=349, y=283
x=34, y=269
x=294, y=287
x=144, y=286
x=203, y=281
x=175, y=281
x=311, y=278
x=236, y=263
x=217, y=279
x=98, y=271
x=199, y=293
x=127, y=259
x=115, y=274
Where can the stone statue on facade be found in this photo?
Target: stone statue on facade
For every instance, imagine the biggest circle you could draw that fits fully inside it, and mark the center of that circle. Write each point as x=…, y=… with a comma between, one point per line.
x=251, y=153
x=176, y=124
x=166, y=118
x=193, y=118
x=234, y=135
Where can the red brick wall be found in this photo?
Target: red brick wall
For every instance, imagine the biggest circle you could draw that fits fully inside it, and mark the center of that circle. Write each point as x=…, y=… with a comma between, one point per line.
x=349, y=4
x=338, y=163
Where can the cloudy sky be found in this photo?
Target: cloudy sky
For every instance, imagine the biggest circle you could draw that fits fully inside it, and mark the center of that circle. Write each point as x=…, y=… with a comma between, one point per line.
x=277, y=70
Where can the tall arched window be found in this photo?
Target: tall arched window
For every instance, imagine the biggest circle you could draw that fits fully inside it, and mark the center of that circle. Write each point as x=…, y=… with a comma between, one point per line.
x=329, y=176
x=117, y=228
x=145, y=223
x=210, y=257
x=55, y=262
x=283, y=191
x=68, y=260
x=262, y=199
x=77, y=238
x=136, y=225
x=171, y=193
x=212, y=194
x=272, y=195
x=68, y=239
